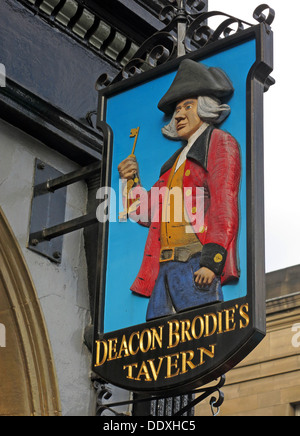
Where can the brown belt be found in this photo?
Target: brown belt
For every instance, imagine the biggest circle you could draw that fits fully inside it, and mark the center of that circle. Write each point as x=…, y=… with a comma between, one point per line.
x=180, y=254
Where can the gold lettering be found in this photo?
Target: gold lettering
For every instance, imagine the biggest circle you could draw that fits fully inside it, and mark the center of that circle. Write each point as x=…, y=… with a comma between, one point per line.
x=207, y=324
x=229, y=319
x=155, y=371
x=149, y=341
x=131, y=350
x=170, y=364
x=144, y=372
x=220, y=322
x=186, y=361
x=173, y=333
x=98, y=352
x=157, y=337
x=129, y=372
x=185, y=326
x=123, y=348
x=203, y=351
x=112, y=348
x=244, y=308
x=193, y=329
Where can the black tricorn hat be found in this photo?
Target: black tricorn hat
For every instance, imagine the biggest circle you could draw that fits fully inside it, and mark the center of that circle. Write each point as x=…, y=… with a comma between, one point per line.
x=194, y=79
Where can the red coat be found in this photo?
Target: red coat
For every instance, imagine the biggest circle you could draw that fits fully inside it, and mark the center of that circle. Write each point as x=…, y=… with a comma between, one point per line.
x=213, y=163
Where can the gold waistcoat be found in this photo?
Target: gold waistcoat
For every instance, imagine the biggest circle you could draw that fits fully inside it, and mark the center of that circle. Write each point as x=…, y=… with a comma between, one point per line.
x=174, y=225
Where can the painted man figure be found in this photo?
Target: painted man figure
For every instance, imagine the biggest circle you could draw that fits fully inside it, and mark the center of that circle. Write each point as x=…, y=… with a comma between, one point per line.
x=185, y=269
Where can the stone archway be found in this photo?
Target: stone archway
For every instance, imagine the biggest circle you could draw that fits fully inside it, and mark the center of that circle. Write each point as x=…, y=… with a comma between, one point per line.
x=28, y=385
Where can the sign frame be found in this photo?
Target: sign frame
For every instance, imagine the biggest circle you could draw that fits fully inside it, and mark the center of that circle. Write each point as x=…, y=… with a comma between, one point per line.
x=257, y=84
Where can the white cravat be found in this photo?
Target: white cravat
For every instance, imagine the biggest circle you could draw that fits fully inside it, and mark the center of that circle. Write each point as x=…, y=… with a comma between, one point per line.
x=191, y=141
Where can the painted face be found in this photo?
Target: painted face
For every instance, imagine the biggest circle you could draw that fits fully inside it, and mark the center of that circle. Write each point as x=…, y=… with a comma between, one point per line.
x=187, y=120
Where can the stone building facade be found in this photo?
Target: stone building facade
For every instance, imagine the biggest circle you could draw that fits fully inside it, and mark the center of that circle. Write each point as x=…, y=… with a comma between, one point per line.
x=267, y=382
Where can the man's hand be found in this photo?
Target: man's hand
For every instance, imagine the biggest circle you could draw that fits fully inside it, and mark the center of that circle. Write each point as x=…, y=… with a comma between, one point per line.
x=128, y=168
x=204, y=276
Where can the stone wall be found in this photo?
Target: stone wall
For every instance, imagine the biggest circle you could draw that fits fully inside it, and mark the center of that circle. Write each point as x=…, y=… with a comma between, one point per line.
x=267, y=382
x=62, y=290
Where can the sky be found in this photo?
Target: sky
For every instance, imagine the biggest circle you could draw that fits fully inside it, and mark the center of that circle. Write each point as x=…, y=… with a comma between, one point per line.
x=281, y=144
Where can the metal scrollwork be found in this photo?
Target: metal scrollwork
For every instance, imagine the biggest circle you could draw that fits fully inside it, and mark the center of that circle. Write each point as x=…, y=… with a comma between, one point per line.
x=104, y=393
x=261, y=18
x=199, y=33
x=186, y=29
x=155, y=51
x=167, y=14
x=199, y=395
x=215, y=403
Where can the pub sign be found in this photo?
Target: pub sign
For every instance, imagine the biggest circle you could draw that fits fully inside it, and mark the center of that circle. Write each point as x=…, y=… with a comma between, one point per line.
x=182, y=293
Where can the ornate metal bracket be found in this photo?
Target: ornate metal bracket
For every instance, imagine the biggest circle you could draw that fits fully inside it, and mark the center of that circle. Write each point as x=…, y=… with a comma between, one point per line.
x=48, y=209
x=186, y=30
x=49, y=203
x=199, y=395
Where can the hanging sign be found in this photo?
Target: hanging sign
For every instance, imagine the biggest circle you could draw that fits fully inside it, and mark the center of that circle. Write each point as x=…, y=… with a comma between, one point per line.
x=182, y=295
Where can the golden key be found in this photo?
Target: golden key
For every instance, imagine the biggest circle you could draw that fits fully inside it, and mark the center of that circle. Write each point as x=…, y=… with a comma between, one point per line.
x=134, y=133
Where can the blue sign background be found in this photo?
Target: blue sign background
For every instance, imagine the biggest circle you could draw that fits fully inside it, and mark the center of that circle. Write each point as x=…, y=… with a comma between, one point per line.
x=137, y=107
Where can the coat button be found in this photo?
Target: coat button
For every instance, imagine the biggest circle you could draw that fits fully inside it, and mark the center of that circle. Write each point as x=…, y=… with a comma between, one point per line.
x=194, y=210
x=188, y=173
x=188, y=192
x=218, y=258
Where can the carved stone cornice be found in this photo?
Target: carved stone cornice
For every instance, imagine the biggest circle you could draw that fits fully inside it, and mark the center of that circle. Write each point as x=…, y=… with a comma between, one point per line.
x=89, y=28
